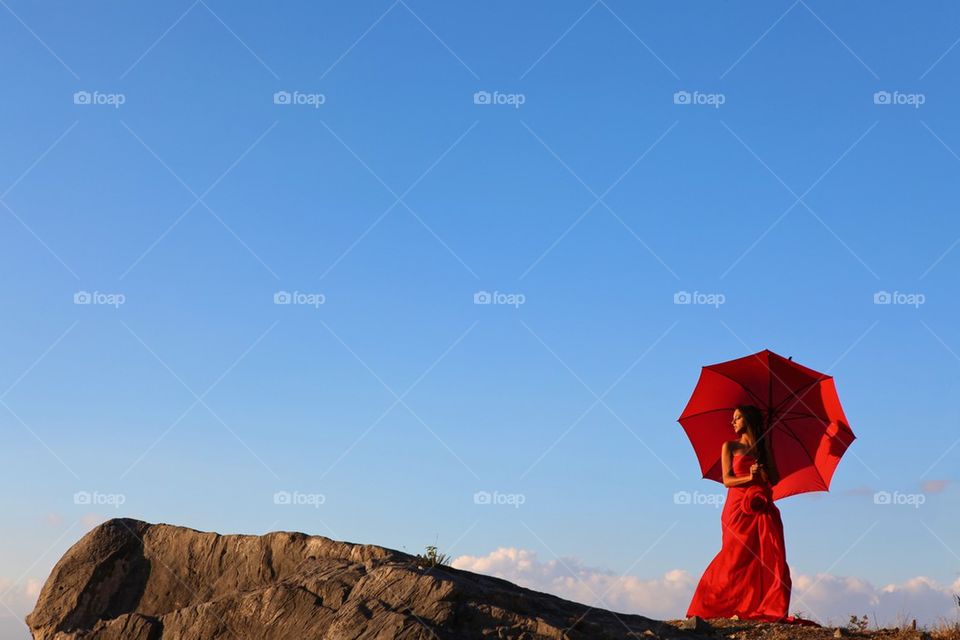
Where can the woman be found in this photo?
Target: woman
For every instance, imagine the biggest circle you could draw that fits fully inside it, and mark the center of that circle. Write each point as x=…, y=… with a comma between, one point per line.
x=749, y=577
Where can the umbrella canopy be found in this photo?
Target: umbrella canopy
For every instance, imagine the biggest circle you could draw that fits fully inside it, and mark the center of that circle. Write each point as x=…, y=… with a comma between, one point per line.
x=804, y=420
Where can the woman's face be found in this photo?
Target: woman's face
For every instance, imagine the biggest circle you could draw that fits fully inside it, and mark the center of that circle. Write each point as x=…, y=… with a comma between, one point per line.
x=739, y=423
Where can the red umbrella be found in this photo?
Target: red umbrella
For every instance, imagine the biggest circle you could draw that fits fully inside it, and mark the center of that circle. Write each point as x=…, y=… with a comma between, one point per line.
x=804, y=420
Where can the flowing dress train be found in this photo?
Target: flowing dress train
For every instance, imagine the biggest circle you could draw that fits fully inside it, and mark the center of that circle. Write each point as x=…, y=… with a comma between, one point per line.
x=749, y=577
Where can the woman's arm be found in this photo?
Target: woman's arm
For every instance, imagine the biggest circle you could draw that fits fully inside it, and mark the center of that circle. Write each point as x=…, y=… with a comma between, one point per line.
x=726, y=461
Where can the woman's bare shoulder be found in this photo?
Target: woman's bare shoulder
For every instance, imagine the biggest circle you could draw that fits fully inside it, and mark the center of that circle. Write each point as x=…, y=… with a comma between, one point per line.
x=733, y=446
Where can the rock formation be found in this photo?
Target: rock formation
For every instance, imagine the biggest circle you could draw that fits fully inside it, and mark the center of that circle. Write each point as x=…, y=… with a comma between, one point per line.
x=131, y=580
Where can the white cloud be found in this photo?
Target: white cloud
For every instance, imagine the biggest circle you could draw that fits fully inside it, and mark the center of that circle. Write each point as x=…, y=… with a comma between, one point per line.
x=663, y=597
x=837, y=598
x=17, y=599
x=826, y=598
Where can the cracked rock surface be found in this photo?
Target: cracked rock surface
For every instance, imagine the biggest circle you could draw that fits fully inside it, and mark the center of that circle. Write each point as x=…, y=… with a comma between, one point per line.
x=132, y=580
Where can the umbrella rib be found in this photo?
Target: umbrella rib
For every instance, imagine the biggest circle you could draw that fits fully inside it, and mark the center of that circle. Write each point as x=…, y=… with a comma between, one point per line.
x=800, y=413
x=703, y=413
x=802, y=416
x=770, y=409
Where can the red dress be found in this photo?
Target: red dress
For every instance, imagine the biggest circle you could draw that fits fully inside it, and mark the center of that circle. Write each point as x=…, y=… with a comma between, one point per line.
x=749, y=577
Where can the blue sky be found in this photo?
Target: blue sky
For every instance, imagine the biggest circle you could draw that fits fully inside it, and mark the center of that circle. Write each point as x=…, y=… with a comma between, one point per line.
x=630, y=151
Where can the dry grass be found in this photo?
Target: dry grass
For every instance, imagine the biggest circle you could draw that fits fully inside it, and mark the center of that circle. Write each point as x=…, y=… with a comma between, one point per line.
x=857, y=628
x=945, y=630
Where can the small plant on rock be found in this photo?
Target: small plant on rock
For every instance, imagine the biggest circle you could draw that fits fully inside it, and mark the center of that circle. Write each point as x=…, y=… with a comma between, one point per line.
x=858, y=624
x=432, y=558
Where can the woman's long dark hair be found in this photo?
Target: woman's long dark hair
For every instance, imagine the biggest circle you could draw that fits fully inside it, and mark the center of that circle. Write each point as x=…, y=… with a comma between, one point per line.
x=761, y=443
